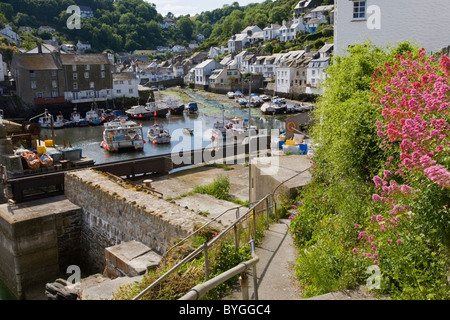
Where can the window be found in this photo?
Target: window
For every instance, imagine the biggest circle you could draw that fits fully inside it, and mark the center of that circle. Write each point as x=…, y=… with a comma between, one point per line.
x=75, y=86
x=102, y=67
x=54, y=94
x=33, y=84
x=359, y=9
x=102, y=75
x=91, y=85
x=32, y=74
x=87, y=67
x=131, y=91
x=74, y=68
x=86, y=75
x=53, y=73
x=118, y=91
x=54, y=84
x=75, y=76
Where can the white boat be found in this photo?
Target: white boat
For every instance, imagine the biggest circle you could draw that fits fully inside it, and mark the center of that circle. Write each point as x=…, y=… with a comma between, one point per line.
x=158, y=135
x=93, y=118
x=230, y=95
x=122, y=134
x=240, y=130
x=77, y=119
x=1, y=116
x=46, y=120
x=267, y=108
x=220, y=131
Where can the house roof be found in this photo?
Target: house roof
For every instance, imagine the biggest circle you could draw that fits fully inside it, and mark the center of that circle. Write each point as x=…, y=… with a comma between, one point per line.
x=326, y=47
x=31, y=61
x=322, y=8
x=83, y=59
x=124, y=76
x=313, y=21
x=303, y=4
x=205, y=63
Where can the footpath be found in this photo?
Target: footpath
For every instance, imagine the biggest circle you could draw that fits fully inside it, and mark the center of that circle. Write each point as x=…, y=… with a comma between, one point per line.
x=276, y=271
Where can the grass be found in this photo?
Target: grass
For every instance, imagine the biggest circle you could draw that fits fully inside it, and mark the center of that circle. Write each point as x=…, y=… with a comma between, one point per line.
x=219, y=189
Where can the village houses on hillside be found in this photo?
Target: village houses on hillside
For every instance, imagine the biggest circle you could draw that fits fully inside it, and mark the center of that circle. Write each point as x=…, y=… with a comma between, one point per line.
x=51, y=74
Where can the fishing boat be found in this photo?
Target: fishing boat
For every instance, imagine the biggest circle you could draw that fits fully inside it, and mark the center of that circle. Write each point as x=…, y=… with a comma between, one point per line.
x=93, y=118
x=158, y=135
x=191, y=107
x=220, y=131
x=141, y=112
x=230, y=95
x=242, y=101
x=106, y=115
x=46, y=121
x=77, y=119
x=122, y=134
x=240, y=130
x=267, y=108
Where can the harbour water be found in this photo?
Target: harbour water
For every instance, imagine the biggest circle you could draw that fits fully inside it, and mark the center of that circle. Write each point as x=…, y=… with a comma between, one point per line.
x=210, y=112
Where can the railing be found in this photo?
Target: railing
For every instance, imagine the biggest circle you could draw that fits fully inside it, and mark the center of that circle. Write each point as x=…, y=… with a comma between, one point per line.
x=200, y=290
x=251, y=212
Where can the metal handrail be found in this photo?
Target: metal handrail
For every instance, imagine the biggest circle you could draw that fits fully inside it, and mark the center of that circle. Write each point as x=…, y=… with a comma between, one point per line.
x=204, y=226
x=200, y=290
x=203, y=248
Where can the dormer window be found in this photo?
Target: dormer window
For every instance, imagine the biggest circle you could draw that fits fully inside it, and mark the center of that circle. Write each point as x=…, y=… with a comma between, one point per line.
x=359, y=10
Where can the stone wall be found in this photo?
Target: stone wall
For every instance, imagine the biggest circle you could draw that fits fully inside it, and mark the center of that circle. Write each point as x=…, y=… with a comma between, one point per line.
x=38, y=240
x=115, y=212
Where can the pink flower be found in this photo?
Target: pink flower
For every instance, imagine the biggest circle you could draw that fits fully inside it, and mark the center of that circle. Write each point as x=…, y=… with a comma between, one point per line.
x=376, y=198
x=354, y=250
x=378, y=181
x=406, y=189
x=375, y=261
x=399, y=241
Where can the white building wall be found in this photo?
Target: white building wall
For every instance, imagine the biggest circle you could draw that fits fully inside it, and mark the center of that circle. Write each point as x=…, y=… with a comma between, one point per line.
x=425, y=23
x=2, y=69
x=283, y=79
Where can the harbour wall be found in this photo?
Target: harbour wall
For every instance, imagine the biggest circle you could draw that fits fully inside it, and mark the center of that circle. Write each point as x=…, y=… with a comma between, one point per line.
x=40, y=239
x=114, y=211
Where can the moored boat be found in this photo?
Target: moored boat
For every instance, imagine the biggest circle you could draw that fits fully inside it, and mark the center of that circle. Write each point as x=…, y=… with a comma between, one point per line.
x=93, y=118
x=46, y=121
x=191, y=107
x=158, y=135
x=230, y=95
x=77, y=119
x=267, y=108
x=122, y=134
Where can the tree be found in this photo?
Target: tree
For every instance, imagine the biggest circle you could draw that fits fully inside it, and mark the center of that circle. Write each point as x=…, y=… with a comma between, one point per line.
x=186, y=27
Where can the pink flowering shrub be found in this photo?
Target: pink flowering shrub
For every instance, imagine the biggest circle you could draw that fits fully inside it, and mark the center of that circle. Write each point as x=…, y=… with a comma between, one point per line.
x=412, y=94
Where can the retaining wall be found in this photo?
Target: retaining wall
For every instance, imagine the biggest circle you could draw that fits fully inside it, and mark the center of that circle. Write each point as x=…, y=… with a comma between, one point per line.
x=114, y=212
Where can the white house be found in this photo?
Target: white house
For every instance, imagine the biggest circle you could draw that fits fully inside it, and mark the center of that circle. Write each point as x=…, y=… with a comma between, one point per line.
x=86, y=12
x=320, y=12
x=215, y=52
x=240, y=40
x=387, y=22
x=237, y=42
x=271, y=32
x=83, y=46
x=315, y=75
x=288, y=30
x=125, y=84
x=10, y=35
x=203, y=71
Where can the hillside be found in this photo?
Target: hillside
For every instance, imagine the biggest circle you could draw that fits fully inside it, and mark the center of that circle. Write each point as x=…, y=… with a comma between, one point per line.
x=128, y=25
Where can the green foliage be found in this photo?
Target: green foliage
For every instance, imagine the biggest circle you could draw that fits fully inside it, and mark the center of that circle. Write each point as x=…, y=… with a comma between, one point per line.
x=219, y=188
x=329, y=212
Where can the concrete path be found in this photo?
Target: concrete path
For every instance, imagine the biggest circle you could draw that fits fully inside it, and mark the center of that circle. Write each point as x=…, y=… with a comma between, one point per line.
x=275, y=269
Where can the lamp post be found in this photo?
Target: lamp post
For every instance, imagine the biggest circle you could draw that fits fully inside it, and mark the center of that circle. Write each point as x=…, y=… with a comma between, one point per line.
x=249, y=136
